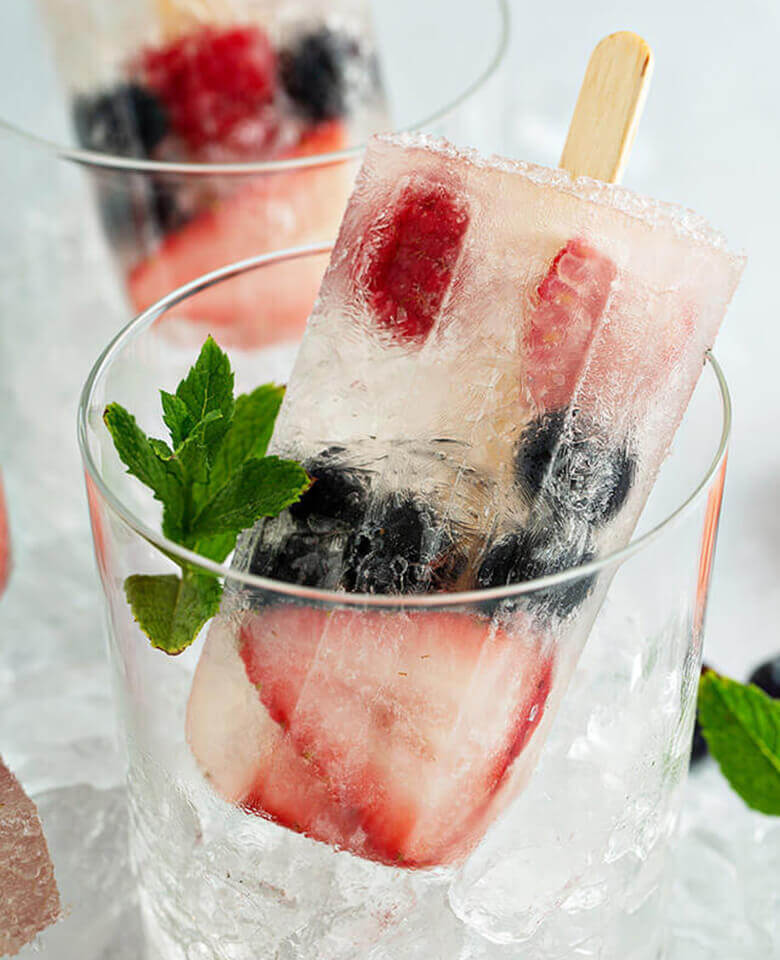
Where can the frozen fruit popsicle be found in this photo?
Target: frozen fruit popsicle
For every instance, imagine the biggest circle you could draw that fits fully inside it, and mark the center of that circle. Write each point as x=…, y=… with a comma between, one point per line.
x=494, y=369
x=218, y=82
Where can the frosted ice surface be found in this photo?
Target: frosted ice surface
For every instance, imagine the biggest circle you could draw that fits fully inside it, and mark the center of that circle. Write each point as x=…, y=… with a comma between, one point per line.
x=544, y=332
x=87, y=834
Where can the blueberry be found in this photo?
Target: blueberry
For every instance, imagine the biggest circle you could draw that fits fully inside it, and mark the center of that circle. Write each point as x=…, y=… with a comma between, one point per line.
x=528, y=555
x=767, y=677
x=581, y=469
x=312, y=72
x=128, y=120
x=302, y=559
x=387, y=554
x=336, y=494
x=699, y=748
x=698, y=745
x=401, y=548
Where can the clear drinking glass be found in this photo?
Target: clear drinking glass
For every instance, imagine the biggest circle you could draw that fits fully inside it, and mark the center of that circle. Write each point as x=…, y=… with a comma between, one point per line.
x=569, y=855
x=172, y=214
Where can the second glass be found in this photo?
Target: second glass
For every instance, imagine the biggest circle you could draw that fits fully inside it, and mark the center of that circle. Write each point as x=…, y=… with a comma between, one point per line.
x=430, y=843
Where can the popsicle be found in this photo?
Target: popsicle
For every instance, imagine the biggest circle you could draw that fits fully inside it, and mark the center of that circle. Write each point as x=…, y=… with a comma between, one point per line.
x=493, y=371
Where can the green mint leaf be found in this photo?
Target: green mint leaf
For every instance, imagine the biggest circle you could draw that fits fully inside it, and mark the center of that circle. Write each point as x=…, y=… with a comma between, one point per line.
x=208, y=387
x=177, y=417
x=260, y=488
x=171, y=610
x=140, y=455
x=250, y=431
x=161, y=449
x=216, y=548
x=742, y=727
x=193, y=453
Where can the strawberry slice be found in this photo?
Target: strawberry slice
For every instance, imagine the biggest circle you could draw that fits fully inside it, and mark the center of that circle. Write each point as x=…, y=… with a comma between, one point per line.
x=567, y=307
x=212, y=81
x=270, y=212
x=5, y=541
x=403, y=727
x=410, y=260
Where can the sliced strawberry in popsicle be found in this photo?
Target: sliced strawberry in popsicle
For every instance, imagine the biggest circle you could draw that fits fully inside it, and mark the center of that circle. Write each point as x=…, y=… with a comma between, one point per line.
x=270, y=212
x=410, y=260
x=565, y=314
x=407, y=723
x=5, y=541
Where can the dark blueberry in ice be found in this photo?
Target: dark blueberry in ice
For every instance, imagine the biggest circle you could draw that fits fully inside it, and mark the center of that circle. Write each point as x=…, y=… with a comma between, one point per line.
x=336, y=494
x=580, y=469
x=313, y=73
x=400, y=548
x=128, y=120
x=528, y=555
x=302, y=559
x=767, y=677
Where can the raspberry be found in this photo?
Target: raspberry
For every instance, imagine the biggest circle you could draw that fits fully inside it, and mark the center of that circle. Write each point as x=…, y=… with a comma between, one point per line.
x=411, y=261
x=212, y=81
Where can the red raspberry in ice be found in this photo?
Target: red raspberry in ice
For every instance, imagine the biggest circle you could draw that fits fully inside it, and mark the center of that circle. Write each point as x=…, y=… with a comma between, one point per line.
x=565, y=313
x=212, y=80
x=412, y=259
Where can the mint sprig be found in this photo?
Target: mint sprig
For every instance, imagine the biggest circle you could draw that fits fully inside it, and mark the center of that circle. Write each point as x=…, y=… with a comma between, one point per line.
x=741, y=725
x=213, y=480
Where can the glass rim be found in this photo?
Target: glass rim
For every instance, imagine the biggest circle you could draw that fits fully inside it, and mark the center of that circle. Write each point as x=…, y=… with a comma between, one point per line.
x=108, y=161
x=182, y=555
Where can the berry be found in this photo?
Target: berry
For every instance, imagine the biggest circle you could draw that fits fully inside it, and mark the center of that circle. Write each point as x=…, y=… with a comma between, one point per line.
x=767, y=677
x=212, y=81
x=336, y=494
x=698, y=745
x=305, y=546
x=390, y=735
x=400, y=548
x=128, y=120
x=411, y=259
x=564, y=317
x=313, y=73
x=579, y=469
x=528, y=555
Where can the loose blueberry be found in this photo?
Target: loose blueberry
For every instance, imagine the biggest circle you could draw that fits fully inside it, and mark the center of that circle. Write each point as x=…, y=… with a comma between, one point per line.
x=528, y=555
x=579, y=468
x=698, y=746
x=128, y=120
x=767, y=677
x=313, y=73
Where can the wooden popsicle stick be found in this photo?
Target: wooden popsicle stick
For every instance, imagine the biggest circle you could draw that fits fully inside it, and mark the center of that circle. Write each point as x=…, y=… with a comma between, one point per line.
x=608, y=109
x=178, y=16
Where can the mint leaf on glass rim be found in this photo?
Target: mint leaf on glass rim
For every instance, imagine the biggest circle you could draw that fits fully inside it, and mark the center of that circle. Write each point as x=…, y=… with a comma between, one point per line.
x=741, y=725
x=171, y=610
x=213, y=480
